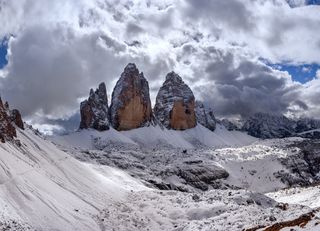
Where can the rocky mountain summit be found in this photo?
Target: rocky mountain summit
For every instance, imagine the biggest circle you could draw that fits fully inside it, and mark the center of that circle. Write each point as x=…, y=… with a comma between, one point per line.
x=130, y=106
x=94, y=110
x=8, y=120
x=175, y=104
x=205, y=116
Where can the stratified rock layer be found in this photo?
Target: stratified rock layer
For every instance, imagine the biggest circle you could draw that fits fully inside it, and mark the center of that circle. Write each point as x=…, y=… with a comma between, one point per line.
x=205, y=116
x=94, y=111
x=130, y=105
x=175, y=104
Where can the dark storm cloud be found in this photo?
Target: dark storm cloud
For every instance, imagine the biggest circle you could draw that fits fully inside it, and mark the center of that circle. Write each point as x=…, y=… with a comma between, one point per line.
x=246, y=88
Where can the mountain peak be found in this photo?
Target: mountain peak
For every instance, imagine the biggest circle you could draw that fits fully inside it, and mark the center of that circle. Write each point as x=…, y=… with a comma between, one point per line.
x=130, y=104
x=175, y=104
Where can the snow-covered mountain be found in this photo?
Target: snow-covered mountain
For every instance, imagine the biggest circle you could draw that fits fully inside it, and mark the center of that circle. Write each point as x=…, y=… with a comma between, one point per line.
x=269, y=126
x=266, y=126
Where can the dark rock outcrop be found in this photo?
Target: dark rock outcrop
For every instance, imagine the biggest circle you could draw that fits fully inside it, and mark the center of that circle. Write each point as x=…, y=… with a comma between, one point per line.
x=7, y=120
x=304, y=166
x=229, y=125
x=94, y=110
x=130, y=105
x=200, y=175
x=16, y=118
x=175, y=104
x=205, y=116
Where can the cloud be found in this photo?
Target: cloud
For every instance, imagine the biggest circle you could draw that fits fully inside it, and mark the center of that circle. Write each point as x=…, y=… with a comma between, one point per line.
x=50, y=69
x=237, y=86
x=59, y=49
x=233, y=13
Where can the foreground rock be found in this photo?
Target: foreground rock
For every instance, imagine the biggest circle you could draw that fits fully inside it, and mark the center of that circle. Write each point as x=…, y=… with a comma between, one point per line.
x=205, y=116
x=304, y=166
x=130, y=106
x=175, y=104
x=94, y=111
x=165, y=169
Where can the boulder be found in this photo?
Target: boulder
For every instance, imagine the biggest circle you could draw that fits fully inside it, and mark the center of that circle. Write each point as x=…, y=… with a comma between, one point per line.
x=94, y=110
x=205, y=116
x=130, y=105
x=175, y=104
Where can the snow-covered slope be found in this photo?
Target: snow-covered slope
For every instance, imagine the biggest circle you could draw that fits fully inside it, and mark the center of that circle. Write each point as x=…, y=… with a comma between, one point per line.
x=46, y=189
x=155, y=135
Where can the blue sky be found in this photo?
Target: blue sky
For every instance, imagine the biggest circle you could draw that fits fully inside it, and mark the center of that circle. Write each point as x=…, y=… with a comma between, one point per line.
x=301, y=73
x=313, y=2
x=3, y=53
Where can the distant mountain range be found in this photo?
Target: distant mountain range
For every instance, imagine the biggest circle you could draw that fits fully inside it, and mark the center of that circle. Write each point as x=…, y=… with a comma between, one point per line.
x=265, y=126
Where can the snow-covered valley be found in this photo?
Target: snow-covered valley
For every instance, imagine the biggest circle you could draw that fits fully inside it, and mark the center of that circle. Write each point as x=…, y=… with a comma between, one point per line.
x=190, y=180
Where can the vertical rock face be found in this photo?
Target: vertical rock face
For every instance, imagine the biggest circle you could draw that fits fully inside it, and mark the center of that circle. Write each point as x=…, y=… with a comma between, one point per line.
x=205, y=116
x=7, y=130
x=175, y=104
x=94, y=110
x=130, y=105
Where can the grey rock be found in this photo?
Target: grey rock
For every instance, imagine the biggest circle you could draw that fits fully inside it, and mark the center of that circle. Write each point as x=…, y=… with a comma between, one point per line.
x=205, y=116
x=175, y=104
x=94, y=110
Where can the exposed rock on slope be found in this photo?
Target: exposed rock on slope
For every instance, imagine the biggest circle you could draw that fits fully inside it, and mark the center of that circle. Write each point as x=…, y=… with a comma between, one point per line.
x=130, y=106
x=94, y=111
x=175, y=104
x=231, y=126
x=7, y=119
x=304, y=166
x=205, y=116
x=16, y=118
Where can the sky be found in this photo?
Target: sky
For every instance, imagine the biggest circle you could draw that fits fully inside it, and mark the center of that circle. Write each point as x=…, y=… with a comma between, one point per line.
x=238, y=56
x=3, y=53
